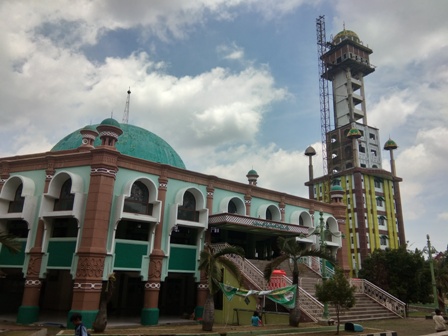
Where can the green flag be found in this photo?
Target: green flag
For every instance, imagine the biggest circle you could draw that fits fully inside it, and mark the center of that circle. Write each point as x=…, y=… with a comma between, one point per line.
x=284, y=296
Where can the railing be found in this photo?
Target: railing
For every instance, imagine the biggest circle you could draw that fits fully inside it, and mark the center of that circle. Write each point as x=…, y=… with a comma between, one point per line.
x=315, y=263
x=249, y=270
x=382, y=297
x=312, y=307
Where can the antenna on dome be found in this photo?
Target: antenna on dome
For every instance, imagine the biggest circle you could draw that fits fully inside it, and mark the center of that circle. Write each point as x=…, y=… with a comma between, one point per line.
x=126, y=108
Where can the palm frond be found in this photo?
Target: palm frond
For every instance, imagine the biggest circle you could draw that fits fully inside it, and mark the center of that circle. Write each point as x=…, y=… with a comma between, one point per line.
x=10, y=242
x=272, y=265
x=230, y=250
x=232, y=268
x=211, y=264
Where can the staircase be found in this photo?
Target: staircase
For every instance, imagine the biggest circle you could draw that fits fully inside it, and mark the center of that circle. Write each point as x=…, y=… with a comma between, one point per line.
x=372, y=303
x=364, y=309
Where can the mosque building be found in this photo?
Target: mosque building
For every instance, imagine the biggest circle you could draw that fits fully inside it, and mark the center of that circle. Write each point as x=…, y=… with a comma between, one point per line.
x=114, y=198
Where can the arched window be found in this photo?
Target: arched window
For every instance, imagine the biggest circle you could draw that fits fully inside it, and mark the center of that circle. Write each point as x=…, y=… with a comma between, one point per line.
x=268, y=214
x=65, y=200
x=187, y=211
x=138, y=201
x=231, y=208
x=16, y=205
x=327, y=232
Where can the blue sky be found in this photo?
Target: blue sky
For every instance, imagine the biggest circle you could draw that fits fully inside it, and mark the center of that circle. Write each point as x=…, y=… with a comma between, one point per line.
x=231, y=85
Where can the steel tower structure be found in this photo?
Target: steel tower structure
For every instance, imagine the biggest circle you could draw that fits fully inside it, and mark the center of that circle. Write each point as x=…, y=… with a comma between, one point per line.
x=322, y=47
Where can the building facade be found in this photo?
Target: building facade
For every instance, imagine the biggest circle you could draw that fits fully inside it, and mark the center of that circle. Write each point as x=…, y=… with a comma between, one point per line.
x=374, y=217
x=116, y=199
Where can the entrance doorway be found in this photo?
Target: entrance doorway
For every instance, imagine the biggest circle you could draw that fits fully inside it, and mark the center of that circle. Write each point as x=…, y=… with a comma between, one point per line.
x=127, y=298
x=177, y=295
x=12, y=284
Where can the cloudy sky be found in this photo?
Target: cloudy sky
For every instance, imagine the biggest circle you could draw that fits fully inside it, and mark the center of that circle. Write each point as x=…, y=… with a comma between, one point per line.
x=231, y=84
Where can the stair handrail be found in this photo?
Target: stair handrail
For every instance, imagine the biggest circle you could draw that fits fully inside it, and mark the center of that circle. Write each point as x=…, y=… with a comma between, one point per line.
x=310, y=306
x=308, y=303
x=315, y=264
x=385, y=299
x=251, y=272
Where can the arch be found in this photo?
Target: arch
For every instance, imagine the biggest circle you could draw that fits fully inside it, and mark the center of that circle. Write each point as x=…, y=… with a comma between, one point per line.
x=199, y=197
x=271, y=209
x=48, y=210
x=11, y=185
x=237, y=201
x=301, y=218
x=152, y=215
x=199, y=207
x=153, y=191
x=59, y=179
x=10, y=191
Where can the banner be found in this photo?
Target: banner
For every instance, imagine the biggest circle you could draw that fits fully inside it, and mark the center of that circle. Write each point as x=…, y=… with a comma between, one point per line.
x=284, y=296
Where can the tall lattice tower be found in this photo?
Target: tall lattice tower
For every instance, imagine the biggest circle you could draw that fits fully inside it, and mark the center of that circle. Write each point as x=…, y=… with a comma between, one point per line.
x=322, y=47
x=126, y=108
x=374, y=217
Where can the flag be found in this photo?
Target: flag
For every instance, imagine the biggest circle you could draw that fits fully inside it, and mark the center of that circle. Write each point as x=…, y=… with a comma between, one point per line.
x=284, y=296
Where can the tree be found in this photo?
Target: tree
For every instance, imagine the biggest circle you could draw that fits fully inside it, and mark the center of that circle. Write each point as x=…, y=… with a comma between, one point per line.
x=338, y=292
x=100, y=323
x=291, y=249
x=400, y=272
x=9, y=241
x=210, y=263
x=441, y=277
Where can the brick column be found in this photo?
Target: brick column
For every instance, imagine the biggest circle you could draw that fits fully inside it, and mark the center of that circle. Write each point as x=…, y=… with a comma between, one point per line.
x=281, y=206
x=92, y=247
x=247, y=202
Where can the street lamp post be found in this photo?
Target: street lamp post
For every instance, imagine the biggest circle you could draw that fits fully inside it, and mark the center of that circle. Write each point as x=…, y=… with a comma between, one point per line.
x=431, y=267
x=324, y=266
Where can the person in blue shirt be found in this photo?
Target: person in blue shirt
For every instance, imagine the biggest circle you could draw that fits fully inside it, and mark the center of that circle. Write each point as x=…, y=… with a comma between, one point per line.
x=80, y=329
x=256, y=321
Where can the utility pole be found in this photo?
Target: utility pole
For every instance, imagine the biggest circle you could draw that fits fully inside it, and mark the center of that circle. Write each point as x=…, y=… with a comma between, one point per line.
x=431, y=267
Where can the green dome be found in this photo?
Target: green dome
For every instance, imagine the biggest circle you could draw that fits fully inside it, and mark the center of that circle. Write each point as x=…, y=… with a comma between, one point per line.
x=346, y=34
x=336, y=188
x=390, y=145
x=354, y=133
x=90, y=128
x=135, y=141
x=111, y=122
x=252, y=172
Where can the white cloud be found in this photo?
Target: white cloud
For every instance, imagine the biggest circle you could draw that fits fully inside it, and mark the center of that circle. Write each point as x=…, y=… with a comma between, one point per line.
x=231, y=52
x=214, y=117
